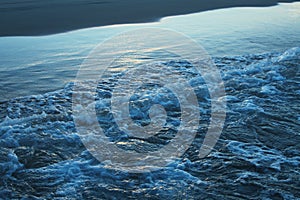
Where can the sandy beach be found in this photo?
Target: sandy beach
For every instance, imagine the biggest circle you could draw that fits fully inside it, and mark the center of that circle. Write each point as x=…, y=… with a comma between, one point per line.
x=29, y=18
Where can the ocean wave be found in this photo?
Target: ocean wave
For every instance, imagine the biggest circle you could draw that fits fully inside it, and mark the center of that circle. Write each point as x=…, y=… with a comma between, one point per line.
x=257, y=156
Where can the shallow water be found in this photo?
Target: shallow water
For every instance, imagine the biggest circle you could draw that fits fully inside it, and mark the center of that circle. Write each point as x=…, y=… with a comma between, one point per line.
x=34, y=65
x=257, y=156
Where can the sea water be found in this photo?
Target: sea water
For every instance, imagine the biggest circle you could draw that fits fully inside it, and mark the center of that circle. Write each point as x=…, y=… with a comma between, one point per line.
x=34, y=65
x=256, y=157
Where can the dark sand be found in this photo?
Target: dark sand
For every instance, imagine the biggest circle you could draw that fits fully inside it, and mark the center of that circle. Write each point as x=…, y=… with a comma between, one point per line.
x=36, y=17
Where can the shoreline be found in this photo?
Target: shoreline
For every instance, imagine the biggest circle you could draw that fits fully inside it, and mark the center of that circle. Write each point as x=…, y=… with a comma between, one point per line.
x=36, y=18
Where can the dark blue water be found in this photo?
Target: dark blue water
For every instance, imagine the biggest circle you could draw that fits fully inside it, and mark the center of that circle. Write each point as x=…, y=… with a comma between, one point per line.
x=256, y=157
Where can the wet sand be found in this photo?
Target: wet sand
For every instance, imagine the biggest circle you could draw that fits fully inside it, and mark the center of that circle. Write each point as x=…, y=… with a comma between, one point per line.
x=28, y=18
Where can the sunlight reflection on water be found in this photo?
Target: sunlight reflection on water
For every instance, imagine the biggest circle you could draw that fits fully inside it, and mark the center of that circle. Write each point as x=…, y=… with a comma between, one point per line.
x=34, y=65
